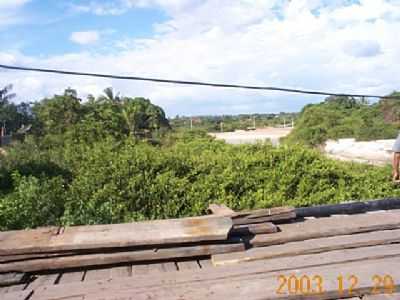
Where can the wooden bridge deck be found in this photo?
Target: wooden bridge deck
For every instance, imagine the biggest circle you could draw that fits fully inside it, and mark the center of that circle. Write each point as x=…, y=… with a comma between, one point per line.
x=337, y=257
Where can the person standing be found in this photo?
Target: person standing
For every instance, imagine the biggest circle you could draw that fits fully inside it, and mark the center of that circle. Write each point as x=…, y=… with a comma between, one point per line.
x=396, y=159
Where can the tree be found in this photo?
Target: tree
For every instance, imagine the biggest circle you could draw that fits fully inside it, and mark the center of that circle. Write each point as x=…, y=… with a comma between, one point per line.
x=57, y=114
x=142, y=118
x=5, y=95
x=13, y=116
x=109, y=96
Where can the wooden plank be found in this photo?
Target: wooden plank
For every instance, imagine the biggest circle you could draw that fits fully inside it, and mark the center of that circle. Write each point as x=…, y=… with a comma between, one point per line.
x=97, y=274
x=160, y=232
x=188, y=265
x=43, y=280
x=122, y=271
x=11, y=278
x=264, y=212
x=20, y=295
x=140, y=269
x=309, y=246
x=257, y=286
x=278, y=265
x=22, y=257
x=99, y=259
x=251, y=229
x=155, y=268
x=16, y=287
x=71, y=276
x=205, y=263
x=274, y=218
x=325, y=227
x=169, y=267
x=394, y=296
x=220, y=210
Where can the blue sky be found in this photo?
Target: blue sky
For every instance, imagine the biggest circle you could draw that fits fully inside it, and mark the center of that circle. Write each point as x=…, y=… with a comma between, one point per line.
x=336, y=45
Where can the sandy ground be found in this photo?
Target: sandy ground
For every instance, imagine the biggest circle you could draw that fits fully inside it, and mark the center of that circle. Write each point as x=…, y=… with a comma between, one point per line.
x=378, y=152
x=253, y=136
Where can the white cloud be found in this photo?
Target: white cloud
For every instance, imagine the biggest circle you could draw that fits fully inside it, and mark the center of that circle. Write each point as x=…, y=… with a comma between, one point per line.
x=299, y=44
x=362, y=48
x=10, y=12
x=85, y=37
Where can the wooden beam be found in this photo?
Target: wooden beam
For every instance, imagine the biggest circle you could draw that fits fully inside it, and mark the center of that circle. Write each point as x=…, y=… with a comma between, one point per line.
x=252, y=229
x=98, y=259
x=11, y=278
x=263, y=215
x=310, y=246
x=20, y=295
x=394, y=296
x=270, y=266
x=325, y=227
x=254, y=286
x=160, y=232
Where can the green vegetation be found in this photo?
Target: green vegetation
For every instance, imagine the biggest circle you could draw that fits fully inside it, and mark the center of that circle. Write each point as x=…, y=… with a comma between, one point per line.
x=116, y=159
x=231, y=123
x=343, y=117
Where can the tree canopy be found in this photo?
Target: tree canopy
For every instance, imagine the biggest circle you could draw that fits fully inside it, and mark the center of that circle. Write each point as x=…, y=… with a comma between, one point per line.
x=346, y=117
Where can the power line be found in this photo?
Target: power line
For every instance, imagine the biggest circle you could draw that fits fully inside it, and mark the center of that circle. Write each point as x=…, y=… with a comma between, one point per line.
x=197, y=83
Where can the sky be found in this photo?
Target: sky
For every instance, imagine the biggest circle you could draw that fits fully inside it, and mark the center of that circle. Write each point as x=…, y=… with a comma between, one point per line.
x=344, y=46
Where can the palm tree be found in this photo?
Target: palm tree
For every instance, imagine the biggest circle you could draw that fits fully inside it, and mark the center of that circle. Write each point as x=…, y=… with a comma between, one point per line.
x=5, y=95
x=110, y=96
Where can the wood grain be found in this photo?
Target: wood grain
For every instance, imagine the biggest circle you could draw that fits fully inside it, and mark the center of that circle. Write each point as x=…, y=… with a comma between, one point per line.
x=278, y=265
x=11, y=278
x=247, y=286
x=309, y=246
x=160, y=232
x=99, y=259
x=326, y=227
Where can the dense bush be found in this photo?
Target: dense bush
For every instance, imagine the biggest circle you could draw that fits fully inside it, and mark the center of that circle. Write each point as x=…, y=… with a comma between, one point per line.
x=115, y=181
x=343, y=117
x=115, y=159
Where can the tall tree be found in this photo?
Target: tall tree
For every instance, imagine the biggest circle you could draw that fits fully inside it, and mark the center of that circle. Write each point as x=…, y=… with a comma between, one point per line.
x=5, y=95
x=142, y=117
x=55, y=115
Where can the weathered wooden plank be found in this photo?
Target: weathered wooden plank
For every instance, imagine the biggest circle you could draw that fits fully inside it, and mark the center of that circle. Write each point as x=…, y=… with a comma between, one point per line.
x=188, y=265
x=251, y=229
x=251, y=219
x=220, y=210
x=20, y=295
x=11, y=278
x=155, y=268
x=264, y=212
x=16, y=287
x=205, y=263
x=309, y=246
x=169, y=267
x=325, y=227
x=140, y=269
x=43, y=280
x=122, y=271
x=258, y=286
x=278, y=265
x=394, y=296
x=208, y=228
x=98, y=259
x=22, y=257
x=71, y=276
x=97, y=274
